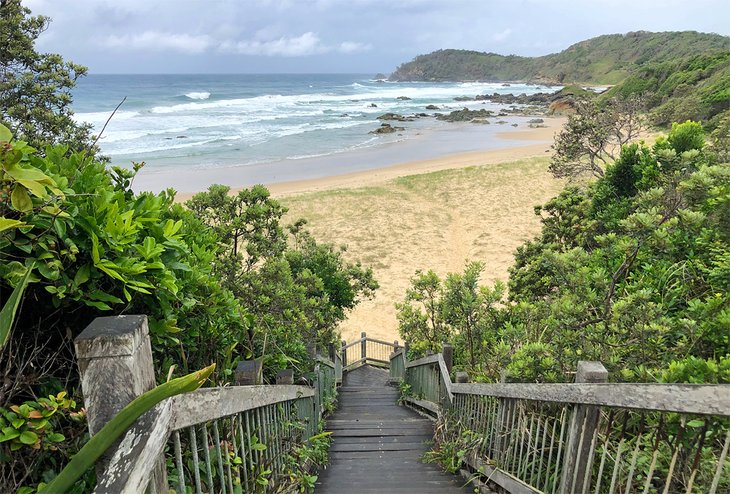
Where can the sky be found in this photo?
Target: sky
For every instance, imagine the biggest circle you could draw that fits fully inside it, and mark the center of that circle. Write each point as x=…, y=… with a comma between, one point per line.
x=339, y=36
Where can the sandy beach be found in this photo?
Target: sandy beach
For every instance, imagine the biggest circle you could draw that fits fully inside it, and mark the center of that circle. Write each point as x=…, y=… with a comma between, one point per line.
x=429, y=214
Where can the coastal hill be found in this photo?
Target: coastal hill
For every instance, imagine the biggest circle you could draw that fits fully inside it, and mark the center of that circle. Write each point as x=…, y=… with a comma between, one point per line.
x=606, y=59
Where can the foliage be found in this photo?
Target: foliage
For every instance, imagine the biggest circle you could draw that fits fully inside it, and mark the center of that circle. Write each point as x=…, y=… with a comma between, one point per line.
x=436, y=311
x=695, y=87
x=594, y=135
x=631, y=271
x=35, y=88
x=605, y=59
x=307, y=457
x=295, y=289
x=420, y=316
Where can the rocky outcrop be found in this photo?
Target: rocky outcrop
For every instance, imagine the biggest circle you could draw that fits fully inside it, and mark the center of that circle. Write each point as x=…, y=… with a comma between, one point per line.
x=403, y=98
x=394, y=116
x=465, y=115
x=432, y=107
x=386, y=129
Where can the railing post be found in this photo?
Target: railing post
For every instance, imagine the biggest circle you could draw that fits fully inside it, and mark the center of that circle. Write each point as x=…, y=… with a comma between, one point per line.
x=115, y=362
x=344, y=354
x=448, y=353
x=363, y=347
x=580, y=447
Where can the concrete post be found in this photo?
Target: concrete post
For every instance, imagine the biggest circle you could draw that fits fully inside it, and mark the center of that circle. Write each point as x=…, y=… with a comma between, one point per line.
x=285, y=376
x=448, y=353
x=462, y=377
x=363, y=346
x=115, y=362
x=249, y=372
x=579, y=451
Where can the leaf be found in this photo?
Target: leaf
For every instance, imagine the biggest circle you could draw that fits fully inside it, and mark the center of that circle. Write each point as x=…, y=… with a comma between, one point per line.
x=104, y=297
x=5, y=134
x=696, y=423
x=35, y=188
x=20, y=200
x=95, y=249
x=7, y=223
x=28, y=438
x=56, y=437
x=34, y=174
x=82, y=275
x=7, y=315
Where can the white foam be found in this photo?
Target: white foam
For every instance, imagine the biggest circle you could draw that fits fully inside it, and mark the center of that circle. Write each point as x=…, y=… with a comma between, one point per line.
x=198, y=95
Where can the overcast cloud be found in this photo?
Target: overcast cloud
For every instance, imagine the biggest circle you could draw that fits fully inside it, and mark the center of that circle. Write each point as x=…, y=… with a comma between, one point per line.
x=364, y=36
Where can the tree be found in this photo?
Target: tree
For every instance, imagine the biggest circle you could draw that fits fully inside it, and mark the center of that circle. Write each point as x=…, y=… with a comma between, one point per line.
x=471, y=309
x=594, y=135
x=420, y=316
x=35, y=88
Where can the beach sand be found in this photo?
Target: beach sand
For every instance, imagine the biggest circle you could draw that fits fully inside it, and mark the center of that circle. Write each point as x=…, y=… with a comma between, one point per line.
x=431, y=214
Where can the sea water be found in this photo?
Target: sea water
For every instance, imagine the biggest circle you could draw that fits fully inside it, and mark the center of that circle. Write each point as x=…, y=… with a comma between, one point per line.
x=198, y=122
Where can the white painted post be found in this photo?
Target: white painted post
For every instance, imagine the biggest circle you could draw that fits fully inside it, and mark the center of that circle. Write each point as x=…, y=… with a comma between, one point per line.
x=580, y=449
x=115, y=361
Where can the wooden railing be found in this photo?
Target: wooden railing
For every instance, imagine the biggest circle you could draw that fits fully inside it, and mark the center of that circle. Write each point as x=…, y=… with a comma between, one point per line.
x=229, y=439
x=367, y=350
x=587, y=436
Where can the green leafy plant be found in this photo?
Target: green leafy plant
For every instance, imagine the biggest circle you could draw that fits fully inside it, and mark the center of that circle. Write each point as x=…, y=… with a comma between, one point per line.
x=118, y=425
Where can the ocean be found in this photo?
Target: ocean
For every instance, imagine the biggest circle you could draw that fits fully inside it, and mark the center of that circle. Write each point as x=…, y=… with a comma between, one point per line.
x=200, y=122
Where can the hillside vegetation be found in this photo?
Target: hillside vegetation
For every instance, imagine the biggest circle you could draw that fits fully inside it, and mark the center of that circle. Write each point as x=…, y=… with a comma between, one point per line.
x=607, y=59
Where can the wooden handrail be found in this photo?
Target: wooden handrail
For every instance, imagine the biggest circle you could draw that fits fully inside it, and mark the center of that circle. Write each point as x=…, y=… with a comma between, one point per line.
x=207, y=404
x=697, y=399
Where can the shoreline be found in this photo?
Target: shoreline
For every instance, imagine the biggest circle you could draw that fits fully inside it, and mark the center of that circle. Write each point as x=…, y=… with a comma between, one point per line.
x=527, y=143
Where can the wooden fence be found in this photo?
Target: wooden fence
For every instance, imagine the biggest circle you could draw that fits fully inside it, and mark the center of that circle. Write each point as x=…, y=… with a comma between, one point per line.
x=587, y=436
x=367, y=351
x=229, y=439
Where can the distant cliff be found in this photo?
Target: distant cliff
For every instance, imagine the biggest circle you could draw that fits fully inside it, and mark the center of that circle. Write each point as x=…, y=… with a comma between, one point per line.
x=606, y=59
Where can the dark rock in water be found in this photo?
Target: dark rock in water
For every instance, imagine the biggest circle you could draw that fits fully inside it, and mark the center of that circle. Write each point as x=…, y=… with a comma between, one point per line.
x=463, y=98
x=432, y=107
x=386, y=129
x=421, y=114
x=345, y=115
x=465, y=115
x=372, y=105
x=502, y=113
x=502, y=122
x=393, y=116
x=481, y=97
x=168, y=138
x=506, y=85
x=404, y=98
x=514, y=125
x=482, y=121
x=380, y=77
x=181, y=137
x=535, y=121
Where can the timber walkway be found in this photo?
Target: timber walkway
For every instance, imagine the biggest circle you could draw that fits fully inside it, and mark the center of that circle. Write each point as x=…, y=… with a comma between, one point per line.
x=377, y=445
x=589, y=436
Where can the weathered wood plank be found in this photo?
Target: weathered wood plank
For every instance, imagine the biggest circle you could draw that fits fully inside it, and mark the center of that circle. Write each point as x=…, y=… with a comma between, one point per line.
x=208, y=404
x=377, y=445
x=699, y=399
